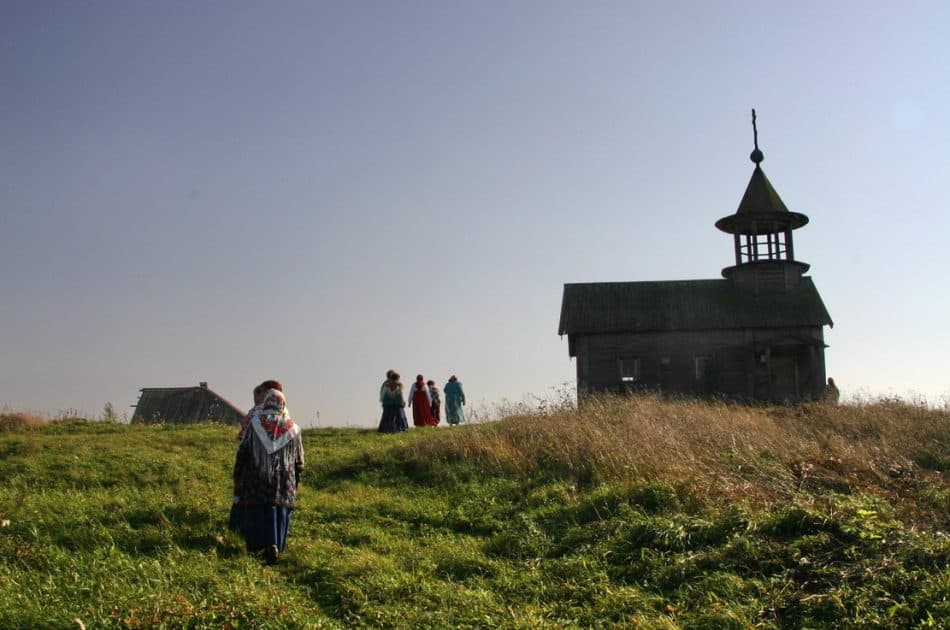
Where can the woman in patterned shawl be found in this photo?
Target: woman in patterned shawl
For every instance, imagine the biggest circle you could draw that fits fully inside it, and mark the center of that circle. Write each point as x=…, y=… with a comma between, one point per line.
x=266, y=475
x=237, y=513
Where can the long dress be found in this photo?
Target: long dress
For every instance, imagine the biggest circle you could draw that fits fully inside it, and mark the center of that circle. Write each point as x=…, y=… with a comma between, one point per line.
x=436, y=403
x=267, y=471
x=454, y=400
x=394, y=415
x=421, y=406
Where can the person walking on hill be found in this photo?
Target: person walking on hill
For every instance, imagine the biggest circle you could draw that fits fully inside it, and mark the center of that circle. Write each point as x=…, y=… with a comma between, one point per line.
x=454, y=401
x=421, y=403
x=234, y=521
x=267, y=471
x=436, y=400
x=394, y=404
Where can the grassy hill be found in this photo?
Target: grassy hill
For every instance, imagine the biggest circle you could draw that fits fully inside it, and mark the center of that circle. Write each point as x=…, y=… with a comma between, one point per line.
x=632, y=512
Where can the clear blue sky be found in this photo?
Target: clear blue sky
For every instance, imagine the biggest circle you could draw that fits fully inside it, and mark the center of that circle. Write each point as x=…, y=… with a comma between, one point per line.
x=319, y=191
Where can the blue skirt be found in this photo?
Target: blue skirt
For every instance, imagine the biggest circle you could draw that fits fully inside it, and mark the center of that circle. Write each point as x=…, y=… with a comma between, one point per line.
x=393, y=420
x=261, y=525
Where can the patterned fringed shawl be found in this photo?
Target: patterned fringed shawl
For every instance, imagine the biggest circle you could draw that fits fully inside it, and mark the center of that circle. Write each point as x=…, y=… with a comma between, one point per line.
x=274, y=439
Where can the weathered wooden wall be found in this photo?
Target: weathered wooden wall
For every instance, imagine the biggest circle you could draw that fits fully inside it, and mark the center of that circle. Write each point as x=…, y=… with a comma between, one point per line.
x=184, y=405
x=733, y=361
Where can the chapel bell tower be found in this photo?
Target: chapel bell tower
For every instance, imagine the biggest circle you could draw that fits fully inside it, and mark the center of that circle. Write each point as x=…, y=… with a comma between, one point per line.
x=762, y=231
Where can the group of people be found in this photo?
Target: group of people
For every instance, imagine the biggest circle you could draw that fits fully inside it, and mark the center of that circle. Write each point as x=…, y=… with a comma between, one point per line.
x=270, y=459
x=424, y=400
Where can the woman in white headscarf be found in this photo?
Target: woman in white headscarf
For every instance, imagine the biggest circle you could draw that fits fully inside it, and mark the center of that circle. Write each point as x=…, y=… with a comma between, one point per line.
x=266, y=476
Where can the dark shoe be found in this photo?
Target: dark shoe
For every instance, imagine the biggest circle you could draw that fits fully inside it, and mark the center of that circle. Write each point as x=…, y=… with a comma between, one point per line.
x=270, y=555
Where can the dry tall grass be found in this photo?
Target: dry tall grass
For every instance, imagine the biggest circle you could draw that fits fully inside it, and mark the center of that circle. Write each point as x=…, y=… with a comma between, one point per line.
x=15, y=420
x=10, y=420
x=741, y=452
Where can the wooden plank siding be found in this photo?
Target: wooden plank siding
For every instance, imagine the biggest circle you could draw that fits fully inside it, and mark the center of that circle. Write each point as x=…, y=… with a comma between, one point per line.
x=184, y=405
x=733, y=363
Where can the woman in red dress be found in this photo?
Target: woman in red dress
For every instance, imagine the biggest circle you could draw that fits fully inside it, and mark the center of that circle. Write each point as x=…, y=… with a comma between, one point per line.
x=421, y=403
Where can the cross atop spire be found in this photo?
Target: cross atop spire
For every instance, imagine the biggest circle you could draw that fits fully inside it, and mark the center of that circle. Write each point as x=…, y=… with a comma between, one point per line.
x=756, y=156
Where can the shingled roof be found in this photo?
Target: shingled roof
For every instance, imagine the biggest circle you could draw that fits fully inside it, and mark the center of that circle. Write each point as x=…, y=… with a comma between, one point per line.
x=184, y=405
x=612, y=307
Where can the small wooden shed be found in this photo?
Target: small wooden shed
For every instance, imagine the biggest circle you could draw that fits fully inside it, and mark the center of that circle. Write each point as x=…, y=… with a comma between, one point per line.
x=755, y=334
x=184, y=405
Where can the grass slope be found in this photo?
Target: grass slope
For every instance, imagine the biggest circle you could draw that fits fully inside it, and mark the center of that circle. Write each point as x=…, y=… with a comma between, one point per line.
x=632, y=512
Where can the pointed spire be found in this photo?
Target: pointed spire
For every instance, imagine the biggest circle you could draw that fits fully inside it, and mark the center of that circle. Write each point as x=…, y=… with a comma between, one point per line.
x=760, y=196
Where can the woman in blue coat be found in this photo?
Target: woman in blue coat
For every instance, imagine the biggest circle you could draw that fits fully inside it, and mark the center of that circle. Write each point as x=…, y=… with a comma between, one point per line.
x=454, y=401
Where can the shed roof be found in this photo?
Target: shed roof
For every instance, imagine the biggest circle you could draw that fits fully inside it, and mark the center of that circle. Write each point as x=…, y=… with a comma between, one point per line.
x=605, y=307
x=184, y=405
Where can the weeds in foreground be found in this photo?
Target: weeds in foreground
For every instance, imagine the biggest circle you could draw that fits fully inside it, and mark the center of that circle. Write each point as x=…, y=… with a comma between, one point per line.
x=10, y=420
x=732, y=451
x=633, y=512
x=15, y=420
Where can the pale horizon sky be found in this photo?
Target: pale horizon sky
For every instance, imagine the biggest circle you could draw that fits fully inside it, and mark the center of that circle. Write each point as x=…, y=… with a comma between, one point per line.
x=320, y=191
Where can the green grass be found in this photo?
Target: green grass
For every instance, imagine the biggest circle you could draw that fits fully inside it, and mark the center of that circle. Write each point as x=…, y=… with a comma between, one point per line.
x=628, y=513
